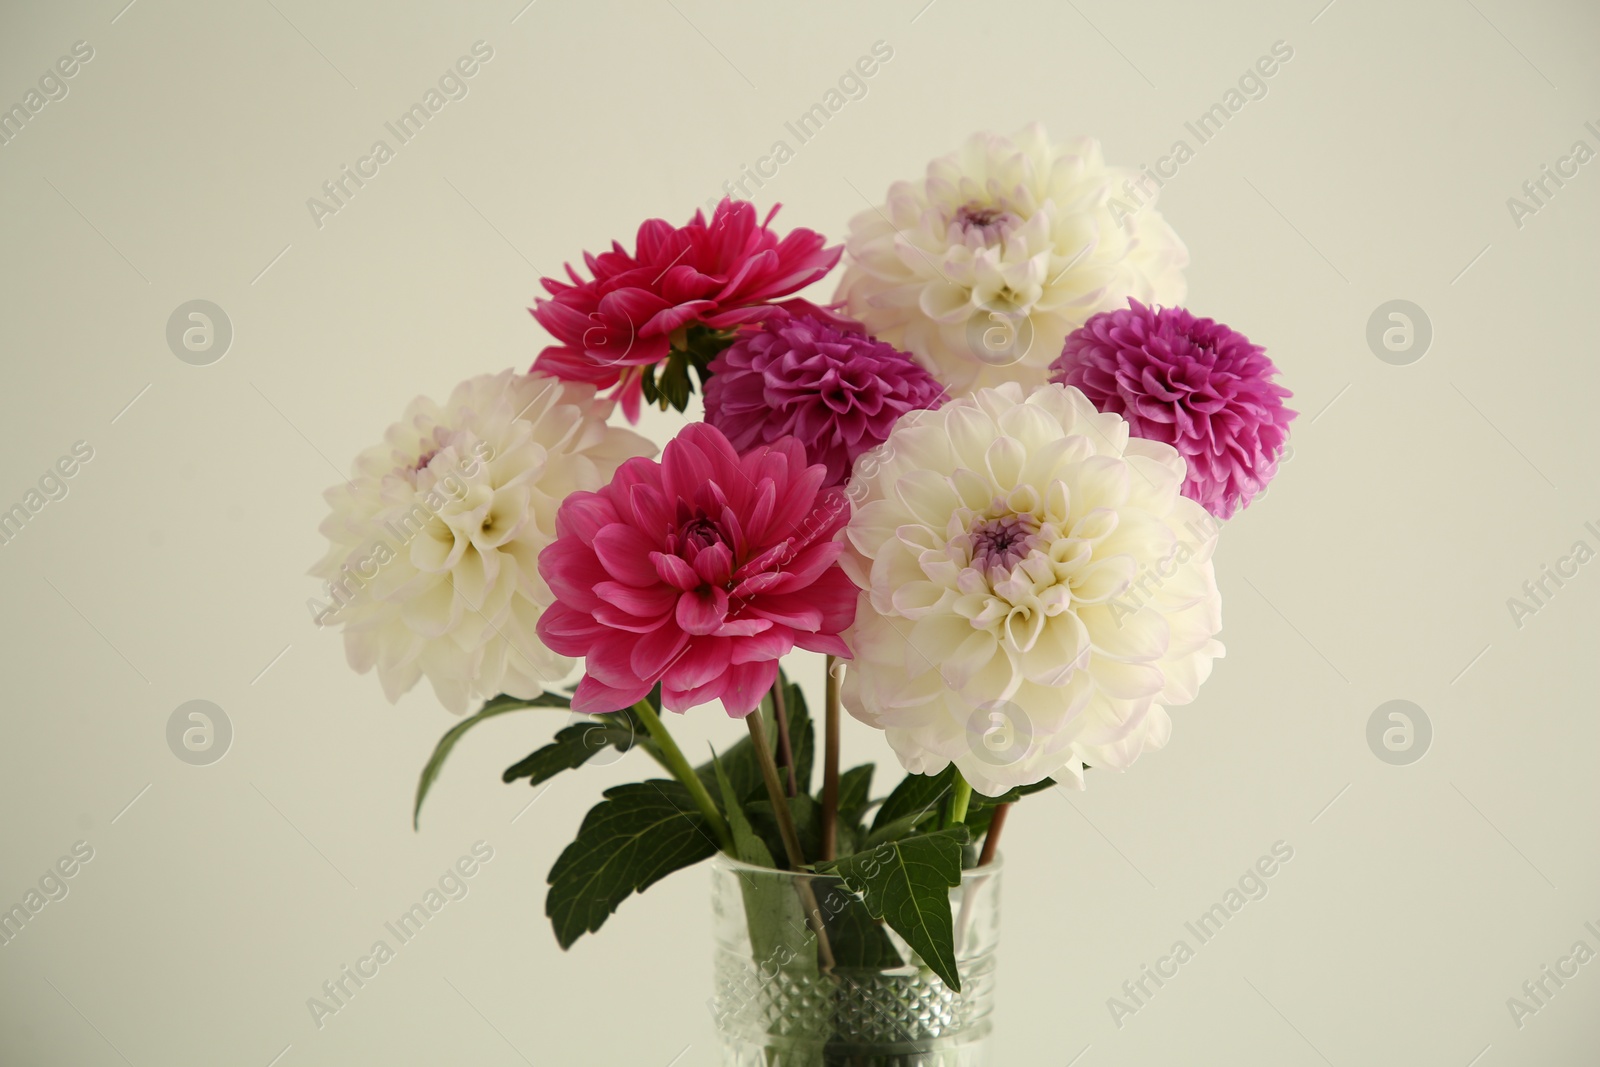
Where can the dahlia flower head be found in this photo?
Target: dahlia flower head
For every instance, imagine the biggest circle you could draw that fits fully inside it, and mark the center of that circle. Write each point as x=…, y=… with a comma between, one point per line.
x=1035, y=590
x=1193, y=383
x=698, y=572
x=432, y=564
x=817, y=377
x=719, y=274
x=981, y=269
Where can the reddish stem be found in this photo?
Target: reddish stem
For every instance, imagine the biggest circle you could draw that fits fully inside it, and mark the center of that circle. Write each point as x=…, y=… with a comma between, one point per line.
x=830, y=763
x=991, y=840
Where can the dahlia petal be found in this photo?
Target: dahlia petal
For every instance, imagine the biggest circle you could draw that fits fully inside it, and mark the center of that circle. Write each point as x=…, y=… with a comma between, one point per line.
x=835, y=595
x=628, y=607
x=631, y=394
x=757, y=584
x=568, y=632
x=656, y=650
x=714, y=564
x=795, y=505
x=649, y=507
x=434, y=611
x=594, y=697
x=827, y=644
x=703, y=660
x=927, y=495
x=743, y=627
x=1004, y=459
x=675, y=571
x=1099, y=482
x=621, y=321
x=791, y=611
x=609, y=658
x=582, y=515
x=744, y=686
x=701, y=611
x=740, y=688
x=684, y=466
x=916, y=599
x=772, y=643
x=1103, y=579
x=1062, y=650
x=625, y=554
x=805, y=567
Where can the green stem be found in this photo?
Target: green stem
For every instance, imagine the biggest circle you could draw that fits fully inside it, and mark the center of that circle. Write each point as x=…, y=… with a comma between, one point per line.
x=959, y=800
x=780, y=802
x=672, y=757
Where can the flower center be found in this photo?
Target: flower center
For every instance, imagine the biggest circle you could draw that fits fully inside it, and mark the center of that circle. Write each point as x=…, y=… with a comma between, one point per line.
x=989, y=223
x=1002, y=542
x=702, y=533
x=973, y=215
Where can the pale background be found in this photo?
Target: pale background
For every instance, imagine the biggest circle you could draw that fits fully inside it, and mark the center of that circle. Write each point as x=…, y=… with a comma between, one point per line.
x=1419, y=498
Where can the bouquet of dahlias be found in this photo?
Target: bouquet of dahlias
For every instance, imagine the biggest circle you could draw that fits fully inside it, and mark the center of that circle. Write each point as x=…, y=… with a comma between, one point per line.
x=984, y=481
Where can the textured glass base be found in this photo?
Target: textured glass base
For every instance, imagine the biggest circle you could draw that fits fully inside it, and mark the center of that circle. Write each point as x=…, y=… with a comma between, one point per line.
x=875, y=1020
x=778, y=1005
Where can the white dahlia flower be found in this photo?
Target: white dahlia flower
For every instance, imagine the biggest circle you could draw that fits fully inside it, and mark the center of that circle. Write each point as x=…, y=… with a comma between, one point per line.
x=1035, y=589
x=433, y=563
x=982, y=269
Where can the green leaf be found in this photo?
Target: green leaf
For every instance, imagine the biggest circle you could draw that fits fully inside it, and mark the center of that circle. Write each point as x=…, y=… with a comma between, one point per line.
x=855, y=793
x=668, y=382
x=802, y=735
x=981, y=813
x=638, y=835
x=747, y=845
x=917, y=794
x=739, y=764
x=773, y=913
x=674, y=380
x=702, y=343
x=576, y=744
x=907, y=884
x=498, y=706
x=806, y=813
x=1014, y=795
x=849, y=838
x=898, y=828
x=858, y=940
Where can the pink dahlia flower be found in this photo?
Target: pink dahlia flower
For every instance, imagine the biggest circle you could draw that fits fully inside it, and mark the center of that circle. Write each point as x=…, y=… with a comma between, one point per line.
x=820, y=378
x=697, y=572
x=1193, y=383
x=717, y=274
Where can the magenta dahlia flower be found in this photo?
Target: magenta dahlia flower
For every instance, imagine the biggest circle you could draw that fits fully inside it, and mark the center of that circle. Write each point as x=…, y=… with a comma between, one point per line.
x=697, y=572
x=820, y=378
x=717, y=274
x=1195, y=384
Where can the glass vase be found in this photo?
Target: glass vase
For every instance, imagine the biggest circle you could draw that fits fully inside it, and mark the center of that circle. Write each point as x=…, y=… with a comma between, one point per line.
x=852, y=994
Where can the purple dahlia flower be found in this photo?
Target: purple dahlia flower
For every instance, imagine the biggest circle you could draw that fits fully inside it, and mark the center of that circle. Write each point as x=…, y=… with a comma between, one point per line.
x=818, y=377
x=1195, y=384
